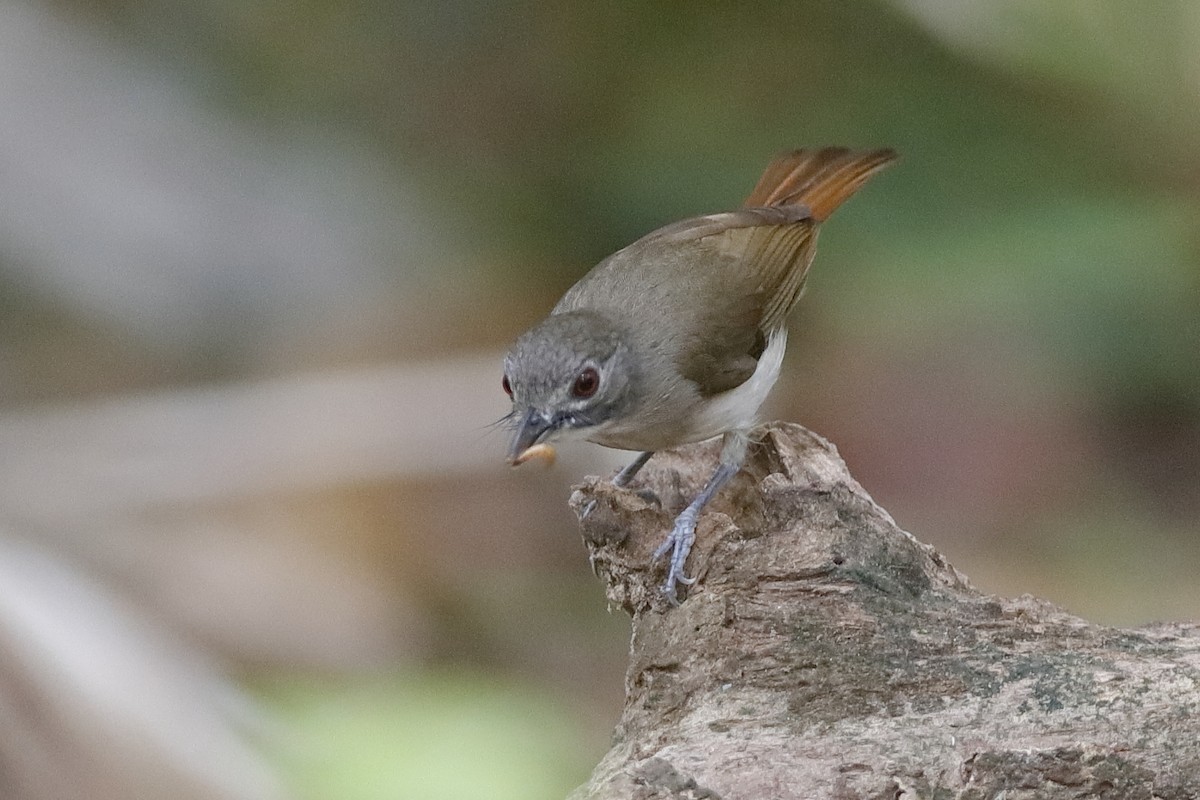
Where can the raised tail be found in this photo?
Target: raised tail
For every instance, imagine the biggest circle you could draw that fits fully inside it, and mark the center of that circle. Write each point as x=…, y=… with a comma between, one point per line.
x=820, y=179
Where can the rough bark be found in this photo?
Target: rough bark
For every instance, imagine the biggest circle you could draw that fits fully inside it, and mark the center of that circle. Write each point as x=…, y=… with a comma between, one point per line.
x=825, y=653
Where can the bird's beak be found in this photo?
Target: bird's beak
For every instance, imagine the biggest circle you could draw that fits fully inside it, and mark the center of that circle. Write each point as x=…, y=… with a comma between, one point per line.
x=533, y=426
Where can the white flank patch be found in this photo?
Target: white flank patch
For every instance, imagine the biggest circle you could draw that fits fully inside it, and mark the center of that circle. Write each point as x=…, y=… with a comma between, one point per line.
x=738, y=408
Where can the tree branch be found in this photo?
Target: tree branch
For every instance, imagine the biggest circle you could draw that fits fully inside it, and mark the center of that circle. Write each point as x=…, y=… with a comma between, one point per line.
x=825, y=653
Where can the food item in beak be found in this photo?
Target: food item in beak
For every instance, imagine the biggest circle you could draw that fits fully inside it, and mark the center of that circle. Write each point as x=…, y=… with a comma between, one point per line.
x=539, y=452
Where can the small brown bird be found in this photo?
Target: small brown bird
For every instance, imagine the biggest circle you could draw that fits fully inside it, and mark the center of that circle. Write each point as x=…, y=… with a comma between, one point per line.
x=679, y=337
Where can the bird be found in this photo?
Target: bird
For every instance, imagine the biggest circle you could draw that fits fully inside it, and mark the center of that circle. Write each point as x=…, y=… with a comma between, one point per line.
x=679, y=337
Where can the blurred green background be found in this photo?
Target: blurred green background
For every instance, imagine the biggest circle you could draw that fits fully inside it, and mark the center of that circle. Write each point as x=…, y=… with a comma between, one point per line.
x=216, y=207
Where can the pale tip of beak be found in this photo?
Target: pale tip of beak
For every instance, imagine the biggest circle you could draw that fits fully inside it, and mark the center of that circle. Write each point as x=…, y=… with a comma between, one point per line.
x=539, y=452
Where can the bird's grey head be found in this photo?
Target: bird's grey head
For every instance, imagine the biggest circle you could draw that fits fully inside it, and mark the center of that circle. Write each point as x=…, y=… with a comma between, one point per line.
x=568, y=373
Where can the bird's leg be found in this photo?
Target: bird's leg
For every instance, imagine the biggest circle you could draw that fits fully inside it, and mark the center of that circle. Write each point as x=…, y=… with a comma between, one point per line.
x=679, y=540
x=622, y=478
x=634, y=467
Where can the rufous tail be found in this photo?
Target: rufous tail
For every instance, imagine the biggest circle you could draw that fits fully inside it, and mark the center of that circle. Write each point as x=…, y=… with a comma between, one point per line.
x=820, y=179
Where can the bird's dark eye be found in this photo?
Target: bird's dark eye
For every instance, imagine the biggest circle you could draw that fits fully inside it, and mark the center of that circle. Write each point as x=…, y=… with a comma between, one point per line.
x=586, y=383
x=506, y=386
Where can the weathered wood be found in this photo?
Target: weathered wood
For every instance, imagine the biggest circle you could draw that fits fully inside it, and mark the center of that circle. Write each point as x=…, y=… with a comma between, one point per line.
x=825, y=653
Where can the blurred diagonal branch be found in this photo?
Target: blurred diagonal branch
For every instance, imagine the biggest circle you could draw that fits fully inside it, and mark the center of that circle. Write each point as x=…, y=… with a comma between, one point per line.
x=94, y=680
x=99, y=703
x=68, y=465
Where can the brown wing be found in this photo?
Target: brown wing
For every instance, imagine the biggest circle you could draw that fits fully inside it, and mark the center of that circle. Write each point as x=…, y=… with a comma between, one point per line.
x=735, y=276
x=773, y=241
x=766, y=260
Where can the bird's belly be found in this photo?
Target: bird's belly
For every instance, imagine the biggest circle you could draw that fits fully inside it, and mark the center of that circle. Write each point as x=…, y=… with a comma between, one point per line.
x=736, y=409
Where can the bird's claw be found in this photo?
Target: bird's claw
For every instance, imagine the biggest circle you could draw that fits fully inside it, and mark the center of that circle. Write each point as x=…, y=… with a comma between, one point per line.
x=679, y=544
x=588, y=508
x=650, y=496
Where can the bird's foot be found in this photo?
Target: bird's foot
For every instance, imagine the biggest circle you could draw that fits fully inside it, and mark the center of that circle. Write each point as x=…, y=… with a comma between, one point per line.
x=622, y=479
x=588, y=508
x=649, y=495
x=678, y=543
